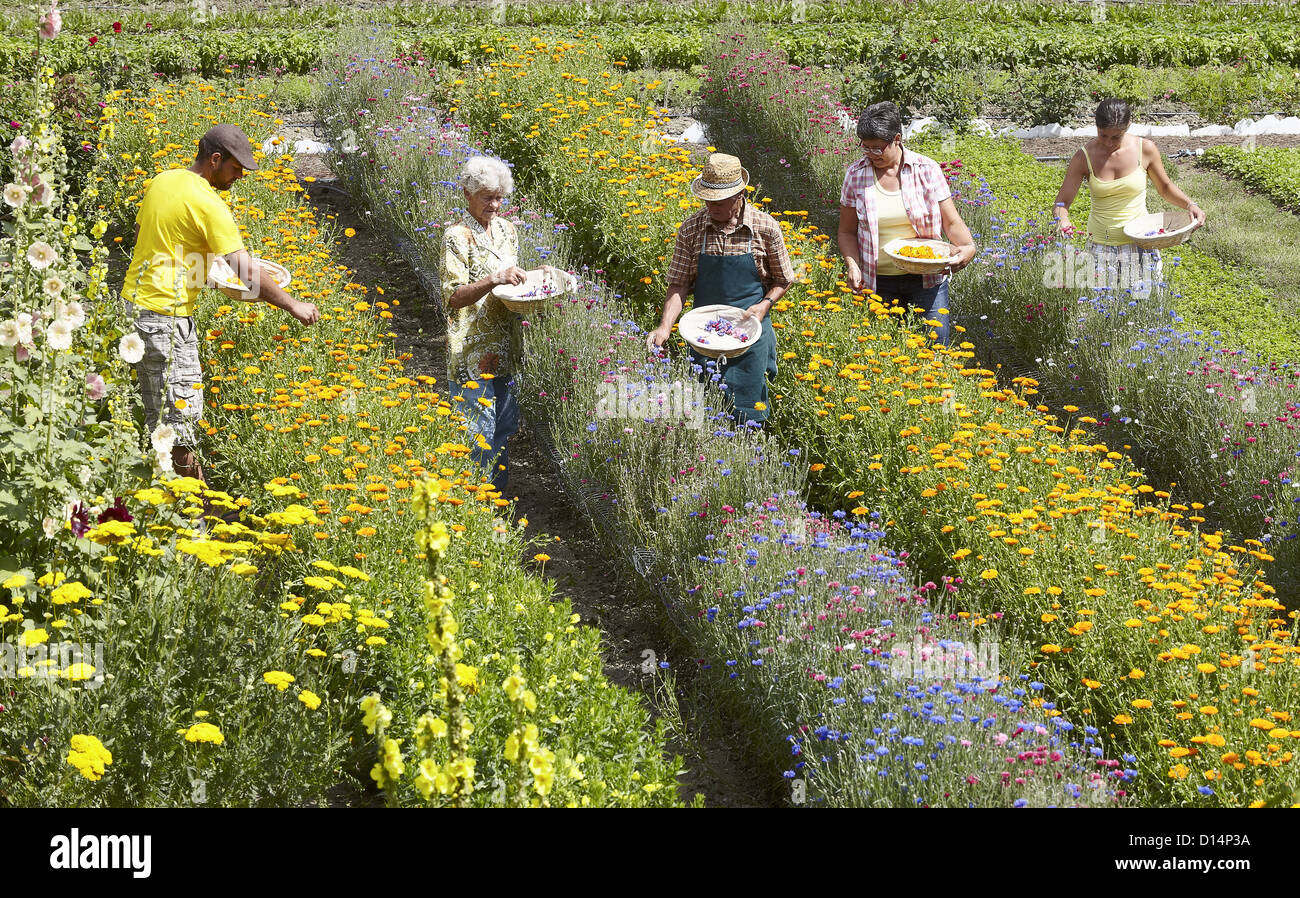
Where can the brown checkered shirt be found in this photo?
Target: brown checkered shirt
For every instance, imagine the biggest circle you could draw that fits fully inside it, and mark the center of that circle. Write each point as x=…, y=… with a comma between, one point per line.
x=770, y=256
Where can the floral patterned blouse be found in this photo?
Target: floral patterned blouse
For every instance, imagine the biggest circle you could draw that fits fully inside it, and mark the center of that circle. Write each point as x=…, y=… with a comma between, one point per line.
x=472, y=252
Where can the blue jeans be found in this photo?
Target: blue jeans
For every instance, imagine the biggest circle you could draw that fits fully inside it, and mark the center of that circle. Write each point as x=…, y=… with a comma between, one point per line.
x=496, y=422
x=909, y=290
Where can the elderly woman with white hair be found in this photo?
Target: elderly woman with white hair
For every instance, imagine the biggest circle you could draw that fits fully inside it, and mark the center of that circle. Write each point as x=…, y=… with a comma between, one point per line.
x=480, y=253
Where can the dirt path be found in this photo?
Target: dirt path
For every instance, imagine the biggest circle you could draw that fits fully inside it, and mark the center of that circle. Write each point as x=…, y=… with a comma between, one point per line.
x=605, y=596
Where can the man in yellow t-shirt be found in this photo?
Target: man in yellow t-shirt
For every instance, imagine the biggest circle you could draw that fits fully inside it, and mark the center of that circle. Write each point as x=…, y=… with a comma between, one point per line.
x=183, y=226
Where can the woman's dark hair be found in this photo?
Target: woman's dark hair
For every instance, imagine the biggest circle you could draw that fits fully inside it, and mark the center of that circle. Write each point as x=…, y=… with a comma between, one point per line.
x=1113, y=113
x=880, y=121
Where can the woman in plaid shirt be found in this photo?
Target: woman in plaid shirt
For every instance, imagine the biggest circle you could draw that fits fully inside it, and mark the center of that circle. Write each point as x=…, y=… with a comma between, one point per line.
x=894, y=192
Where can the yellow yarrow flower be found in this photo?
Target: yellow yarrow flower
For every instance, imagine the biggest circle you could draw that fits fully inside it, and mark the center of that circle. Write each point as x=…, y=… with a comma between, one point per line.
x=278, y=678
x=205, y=732
x=69, y=593
x=89, y=756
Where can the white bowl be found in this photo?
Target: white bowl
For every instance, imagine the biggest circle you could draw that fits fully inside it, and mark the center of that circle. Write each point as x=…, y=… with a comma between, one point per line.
x=535, y=290
x=943, y=249
x=222, y=277
x=1145, y=230
x=691, y=327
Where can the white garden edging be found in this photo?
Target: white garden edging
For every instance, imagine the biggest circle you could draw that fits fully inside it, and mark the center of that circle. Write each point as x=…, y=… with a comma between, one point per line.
x=1269, y=124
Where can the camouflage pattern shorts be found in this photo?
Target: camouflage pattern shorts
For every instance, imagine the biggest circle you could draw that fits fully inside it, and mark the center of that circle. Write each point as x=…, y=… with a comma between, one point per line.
x=170, y=377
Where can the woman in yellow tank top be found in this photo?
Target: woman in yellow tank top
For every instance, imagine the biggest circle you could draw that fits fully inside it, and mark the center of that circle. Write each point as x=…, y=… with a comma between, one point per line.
x=1117, y=169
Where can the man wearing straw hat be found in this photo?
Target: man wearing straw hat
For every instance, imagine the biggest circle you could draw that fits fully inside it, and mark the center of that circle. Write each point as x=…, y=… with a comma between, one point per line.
x=730, y=253
x=180, y=229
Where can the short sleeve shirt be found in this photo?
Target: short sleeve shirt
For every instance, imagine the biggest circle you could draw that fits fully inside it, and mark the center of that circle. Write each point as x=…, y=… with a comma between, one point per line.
x=924, y=187
x=699, y=232
x=470, y=253
x=184, y=224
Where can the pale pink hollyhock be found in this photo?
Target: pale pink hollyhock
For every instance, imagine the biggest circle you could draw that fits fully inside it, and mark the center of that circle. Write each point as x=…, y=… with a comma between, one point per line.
x=42, y=192
x=22, y=353
x=72, y=312
x=59, y=334
x=24, y=320
x=95, y=387
x=40, y=255
x=51, y=22
x=131, y=348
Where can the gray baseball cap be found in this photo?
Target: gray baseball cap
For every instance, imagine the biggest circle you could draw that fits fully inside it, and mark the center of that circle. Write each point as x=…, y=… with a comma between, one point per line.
x=232, y=141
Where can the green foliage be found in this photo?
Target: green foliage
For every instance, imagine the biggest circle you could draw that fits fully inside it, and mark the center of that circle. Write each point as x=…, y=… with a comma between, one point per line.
x=1272, y=171
x=1130, y=83
x=960, y=99
x=292, y=93
x=1045, y=95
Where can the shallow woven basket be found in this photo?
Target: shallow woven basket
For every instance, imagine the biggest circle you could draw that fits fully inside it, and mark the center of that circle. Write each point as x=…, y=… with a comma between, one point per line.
x=541, y=286
x=691, y=329
x=920, y=266
x=1177, y=225
x=222, y=277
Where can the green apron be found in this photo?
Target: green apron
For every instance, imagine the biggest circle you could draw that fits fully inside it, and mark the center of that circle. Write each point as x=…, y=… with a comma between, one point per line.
x=733, y=281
